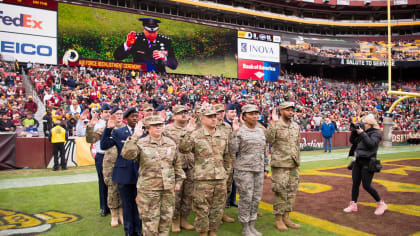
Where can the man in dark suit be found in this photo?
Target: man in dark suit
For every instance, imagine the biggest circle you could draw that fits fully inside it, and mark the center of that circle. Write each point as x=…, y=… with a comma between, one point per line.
x=149, y=47
x=125, y=171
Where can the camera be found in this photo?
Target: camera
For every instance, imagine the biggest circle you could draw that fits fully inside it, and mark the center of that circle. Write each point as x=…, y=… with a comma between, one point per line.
x=357, y=125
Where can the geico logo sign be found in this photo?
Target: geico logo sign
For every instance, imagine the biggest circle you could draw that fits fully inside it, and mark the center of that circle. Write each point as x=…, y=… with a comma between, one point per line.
x=26, y=48
x=23, y=20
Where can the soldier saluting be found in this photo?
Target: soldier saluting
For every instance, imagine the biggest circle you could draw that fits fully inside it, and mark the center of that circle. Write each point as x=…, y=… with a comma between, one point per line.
x=149, y=47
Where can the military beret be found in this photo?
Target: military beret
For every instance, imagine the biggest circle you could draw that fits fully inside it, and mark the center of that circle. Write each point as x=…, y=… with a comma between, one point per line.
x=178, y=109
x=208, y=111
x=147, y=107
x=153, y=120
x=230, y=106
x=115, y=109
x=129, y=111
x=250, y=108
x=160, y=108
x=106, y=107
x=285, y=105
x=219, y=107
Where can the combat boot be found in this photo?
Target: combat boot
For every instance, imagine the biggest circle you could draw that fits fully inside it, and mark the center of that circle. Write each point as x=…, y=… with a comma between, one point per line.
x=175, y=226
x=204, y=234
x=279, y=224
x=245, y=230
x=227, y=219
x=120, y=215
x=212, y=233
x=114, y=217
x=288, y=222
x=259, y=214
x=185, y=224
x=254, y=231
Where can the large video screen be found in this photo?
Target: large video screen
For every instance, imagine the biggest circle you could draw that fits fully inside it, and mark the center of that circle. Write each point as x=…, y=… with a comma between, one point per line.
x=100, y=38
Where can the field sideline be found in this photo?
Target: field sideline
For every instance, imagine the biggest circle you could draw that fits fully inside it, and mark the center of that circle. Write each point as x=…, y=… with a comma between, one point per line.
x=72, y=208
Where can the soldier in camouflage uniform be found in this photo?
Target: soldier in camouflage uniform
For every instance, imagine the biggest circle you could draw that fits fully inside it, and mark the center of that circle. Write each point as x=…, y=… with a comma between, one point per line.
x=211, y=163
x=196, y=116
x=250, y=166
x=183, y=197
x=160, y=174
x=226, y=129
x=285, y=160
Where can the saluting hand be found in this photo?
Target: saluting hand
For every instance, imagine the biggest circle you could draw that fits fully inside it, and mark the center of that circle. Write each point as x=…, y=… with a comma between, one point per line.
x=274, y=116
x=94, y=119
x=112, y=122
x=235, y=125
x=191, y=125
x=131, y=39
x=138, y=130
x=84, y=115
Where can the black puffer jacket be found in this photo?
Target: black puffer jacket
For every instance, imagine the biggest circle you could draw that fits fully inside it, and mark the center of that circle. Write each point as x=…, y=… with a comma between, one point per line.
x=368, y=145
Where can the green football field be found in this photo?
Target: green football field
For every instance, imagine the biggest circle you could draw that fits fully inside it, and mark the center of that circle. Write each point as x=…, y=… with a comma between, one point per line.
x=73, y=209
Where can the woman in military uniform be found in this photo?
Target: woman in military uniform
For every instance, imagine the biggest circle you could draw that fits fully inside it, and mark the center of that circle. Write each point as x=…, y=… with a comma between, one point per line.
x=160, y=174
x=249, y=168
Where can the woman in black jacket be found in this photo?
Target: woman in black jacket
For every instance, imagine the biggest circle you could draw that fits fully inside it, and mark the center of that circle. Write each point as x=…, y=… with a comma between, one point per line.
x=367, y=147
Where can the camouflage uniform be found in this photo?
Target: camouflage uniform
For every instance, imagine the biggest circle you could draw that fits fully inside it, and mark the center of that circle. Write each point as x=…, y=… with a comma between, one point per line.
x=285, y=160
x=160, y=169
x=183, y=197
x=211, y=163
x=249, y=170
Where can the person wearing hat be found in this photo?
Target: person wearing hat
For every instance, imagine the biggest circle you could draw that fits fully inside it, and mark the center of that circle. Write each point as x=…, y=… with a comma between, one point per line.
x=160, y=175
x=212, y=163
x=125, y=171
x=226, y=129
x=368, y=138
x=30, y=122
x=94, y=131
x=30, y=105
x=147, y=110
x=231, y=196
x=250, y=166
x=284, y=136
x=58, y=137
x=183, y=197
x=149, y=47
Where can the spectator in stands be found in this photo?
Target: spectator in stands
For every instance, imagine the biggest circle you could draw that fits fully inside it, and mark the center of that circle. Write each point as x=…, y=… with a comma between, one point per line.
x=317, y=119
x=327, y=131
x=414, y=137
x=6, y=124
x=30, y=123
x=75, y=108
x=30, y=105
x=20, y=90
x=3, y=108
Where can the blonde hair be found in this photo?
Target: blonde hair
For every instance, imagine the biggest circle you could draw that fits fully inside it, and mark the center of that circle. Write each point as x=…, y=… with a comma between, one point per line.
x=371, y=120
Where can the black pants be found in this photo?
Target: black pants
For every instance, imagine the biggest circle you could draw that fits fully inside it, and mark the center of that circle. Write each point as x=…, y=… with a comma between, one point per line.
x=361, y=173
x=132, y=222
x=103, y=189
x=59, y=147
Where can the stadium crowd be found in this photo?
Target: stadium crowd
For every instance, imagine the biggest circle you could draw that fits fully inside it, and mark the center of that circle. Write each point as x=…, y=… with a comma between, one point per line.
x=67, y=91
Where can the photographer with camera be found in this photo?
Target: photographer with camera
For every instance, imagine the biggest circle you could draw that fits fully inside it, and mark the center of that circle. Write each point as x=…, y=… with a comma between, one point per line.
x=366, y=141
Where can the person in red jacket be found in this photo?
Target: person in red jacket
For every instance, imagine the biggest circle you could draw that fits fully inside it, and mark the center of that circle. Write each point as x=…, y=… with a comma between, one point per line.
x=30, y=105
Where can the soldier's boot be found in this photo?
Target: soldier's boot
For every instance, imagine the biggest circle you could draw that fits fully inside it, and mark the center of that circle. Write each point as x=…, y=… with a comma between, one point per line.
x=227, y=219
x=246, y=230
x=114, y=217
x=204, y=234
x=212, y=233
x=279, y=224
x=175, y=226
x=120, y=215
x=185, y=224
x=288, y=222
x=252, y=228
x=259, y=214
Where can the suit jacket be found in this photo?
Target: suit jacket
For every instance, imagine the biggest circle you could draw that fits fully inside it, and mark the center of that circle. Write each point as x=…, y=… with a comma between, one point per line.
x=125, y=171
x=143, y=53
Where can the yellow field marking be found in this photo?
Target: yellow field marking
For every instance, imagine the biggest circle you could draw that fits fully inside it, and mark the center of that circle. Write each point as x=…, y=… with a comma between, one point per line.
x=320, y=223
x=57, y=217
x=412, y=210
x=401, y=170
x=313, y=187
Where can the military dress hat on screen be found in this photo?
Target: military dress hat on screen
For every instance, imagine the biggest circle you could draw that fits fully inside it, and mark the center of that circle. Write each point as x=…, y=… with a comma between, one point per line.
x=150, y=24
x=178, y=109
x=153, y=120
x=129, y=111
x=285, y=105
x=208, y=111
x=219, y=107
x=250, y=108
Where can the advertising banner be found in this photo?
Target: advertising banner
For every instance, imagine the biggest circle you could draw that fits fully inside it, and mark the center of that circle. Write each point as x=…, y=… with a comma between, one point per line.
x=45, y=4
x=258, y=70
x=258, y=50
x=31, y=48
x=157, y=44
x=28, y=20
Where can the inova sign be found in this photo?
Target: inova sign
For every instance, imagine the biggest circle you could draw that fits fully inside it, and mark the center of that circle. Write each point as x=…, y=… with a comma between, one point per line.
x=258, y=50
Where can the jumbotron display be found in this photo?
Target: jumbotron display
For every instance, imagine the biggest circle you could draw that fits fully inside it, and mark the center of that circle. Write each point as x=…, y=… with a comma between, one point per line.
x=114, y=39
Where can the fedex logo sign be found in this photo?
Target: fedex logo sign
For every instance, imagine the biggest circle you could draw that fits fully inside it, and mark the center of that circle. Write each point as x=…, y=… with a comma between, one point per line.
x=24, y=20
x=27, y=20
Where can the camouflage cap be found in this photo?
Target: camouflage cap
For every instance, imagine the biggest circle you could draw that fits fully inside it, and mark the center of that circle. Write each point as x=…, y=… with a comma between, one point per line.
x=148, y=107
x=178, y=109
x=219, y=107
x=250, y=108
x=285, y=105
x=197, y=109
x=153, y=120
x=208, y=111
